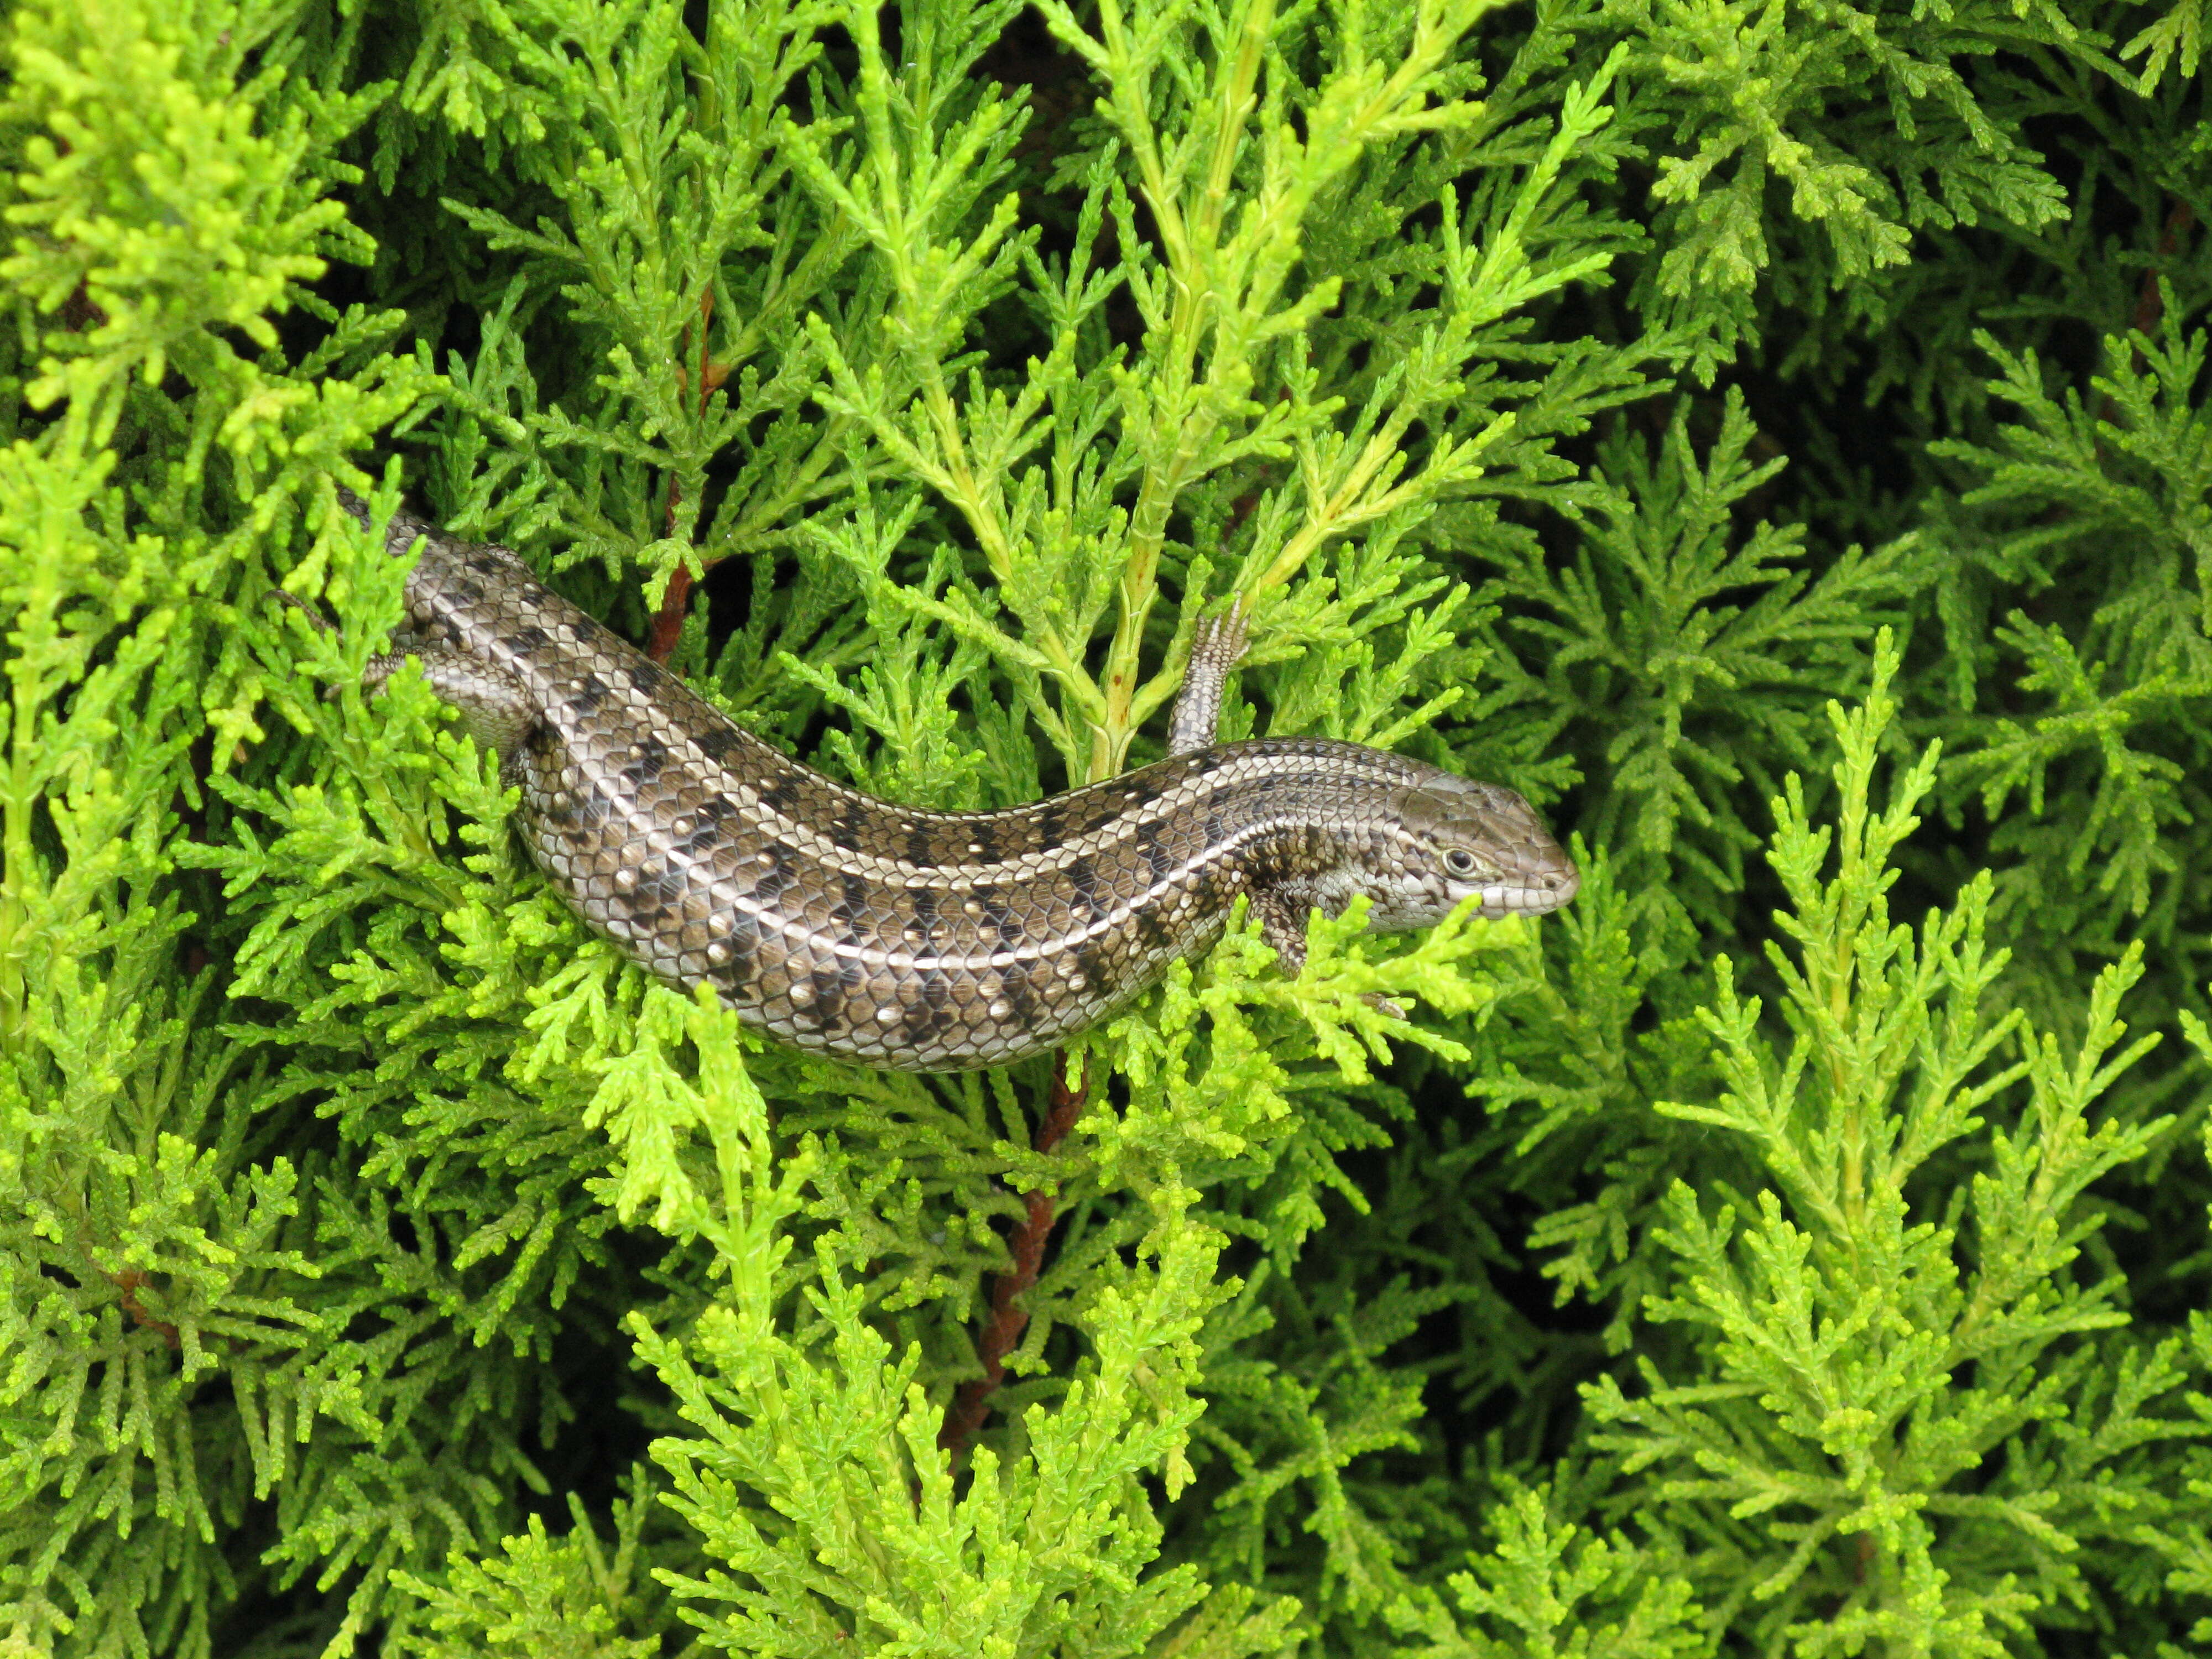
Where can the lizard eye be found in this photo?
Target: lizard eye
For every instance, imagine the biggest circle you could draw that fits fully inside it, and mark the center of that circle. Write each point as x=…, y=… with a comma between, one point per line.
x=1460, y=861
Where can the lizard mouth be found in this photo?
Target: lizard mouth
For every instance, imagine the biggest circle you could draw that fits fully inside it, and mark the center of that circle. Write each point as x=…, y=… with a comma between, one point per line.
x=1538, y=895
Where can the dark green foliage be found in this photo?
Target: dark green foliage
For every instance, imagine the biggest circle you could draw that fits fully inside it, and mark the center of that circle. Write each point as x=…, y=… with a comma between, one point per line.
x=1775, y=437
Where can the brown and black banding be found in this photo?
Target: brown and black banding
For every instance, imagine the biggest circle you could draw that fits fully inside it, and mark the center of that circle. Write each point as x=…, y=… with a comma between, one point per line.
x=591, y=808
x=1015, y=991
x=930, y=1012
x=1082, y=880
x=1090, y=964
x=920, y=847
x=1051, y=817
x=777, y=879
x=664, y=889
x=1105, y=810
x=1151, y=845
x=825, y=1009
x=648, y=756
x=1153, y=931
x=852, y=904
x=588, y=695
x=845, y=830
x=982, y=845
x=1001, y=922
x=924, y=903
x=740, y=944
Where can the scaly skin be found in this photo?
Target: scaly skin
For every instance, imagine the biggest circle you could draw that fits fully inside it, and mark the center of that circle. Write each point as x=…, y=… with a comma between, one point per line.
x=928, y=941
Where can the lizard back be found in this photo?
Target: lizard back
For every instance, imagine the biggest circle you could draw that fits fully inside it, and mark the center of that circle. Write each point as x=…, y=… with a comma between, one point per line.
x=901, y=939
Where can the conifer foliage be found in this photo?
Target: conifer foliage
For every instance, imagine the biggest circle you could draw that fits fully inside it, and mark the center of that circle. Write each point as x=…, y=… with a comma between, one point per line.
x=1774, y=434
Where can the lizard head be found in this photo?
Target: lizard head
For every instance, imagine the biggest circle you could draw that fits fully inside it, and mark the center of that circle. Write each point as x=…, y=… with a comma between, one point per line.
x=1456, y=840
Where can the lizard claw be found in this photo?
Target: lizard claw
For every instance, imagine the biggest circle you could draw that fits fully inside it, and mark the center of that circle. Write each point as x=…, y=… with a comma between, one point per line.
x=323, y=625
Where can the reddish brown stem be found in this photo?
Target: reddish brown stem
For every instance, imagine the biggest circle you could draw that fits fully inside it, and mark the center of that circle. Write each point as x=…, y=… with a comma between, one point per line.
x=1009, y=1318
x=79, y=314
x=668, y=622
x=2150, y=305
x=2150, y=308
x=129, y=1282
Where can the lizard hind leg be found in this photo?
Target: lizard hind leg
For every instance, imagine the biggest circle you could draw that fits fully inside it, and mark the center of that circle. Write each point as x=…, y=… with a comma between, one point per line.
x=495, y=709
x=1216, y=648
x=1283, y=926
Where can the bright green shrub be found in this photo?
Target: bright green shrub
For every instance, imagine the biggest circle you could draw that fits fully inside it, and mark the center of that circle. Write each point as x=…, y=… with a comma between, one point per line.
x=1775, y=437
